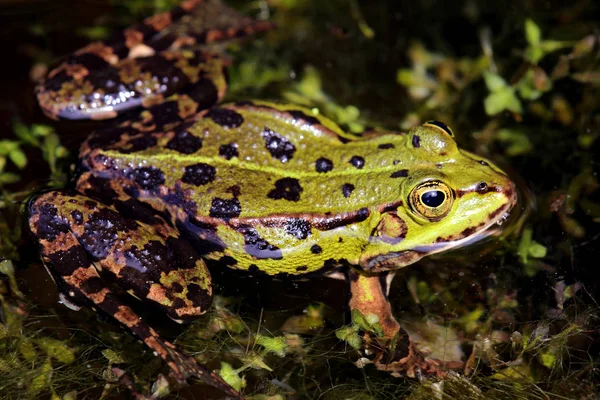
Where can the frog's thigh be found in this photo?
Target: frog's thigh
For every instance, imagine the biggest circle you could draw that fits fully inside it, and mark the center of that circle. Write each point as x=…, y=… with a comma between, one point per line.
x=147, y=259
x=368, y=294
x=79, y=237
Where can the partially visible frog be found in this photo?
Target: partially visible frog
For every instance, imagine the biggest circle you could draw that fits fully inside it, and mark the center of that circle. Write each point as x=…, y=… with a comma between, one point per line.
x=257, y=186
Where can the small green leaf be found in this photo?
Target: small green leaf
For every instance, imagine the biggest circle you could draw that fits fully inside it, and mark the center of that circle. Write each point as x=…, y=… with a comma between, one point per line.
x=6, y=178
x=25, y=134
x=277, y=345
x=231, y=376
x=533, y=34
x=368, y=323
x=536, y=250
x=113, y=357
x=255, y=361
x=18, y=157
x=501, y=100
x=41, y=381
x=517, y=142
x=56, y=349
x=27, y=350
x=547, y=359
x=8, y=146
x=494, y=82
x=349, y=335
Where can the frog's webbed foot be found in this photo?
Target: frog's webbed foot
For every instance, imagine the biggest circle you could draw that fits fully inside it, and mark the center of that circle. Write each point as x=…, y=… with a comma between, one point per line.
x=394, y=351
x=401, y=357
x=96, y=255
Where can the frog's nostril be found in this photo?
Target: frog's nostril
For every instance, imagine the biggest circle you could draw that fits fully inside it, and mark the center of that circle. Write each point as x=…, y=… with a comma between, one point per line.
x=482, y=187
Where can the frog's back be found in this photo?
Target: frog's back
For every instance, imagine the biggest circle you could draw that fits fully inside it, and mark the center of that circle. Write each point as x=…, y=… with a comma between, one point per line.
x=276, y=179
x=259, y=160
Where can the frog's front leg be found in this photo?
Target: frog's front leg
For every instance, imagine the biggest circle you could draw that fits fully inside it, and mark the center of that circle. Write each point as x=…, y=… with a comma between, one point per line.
x=96, y=254
x=395, y=352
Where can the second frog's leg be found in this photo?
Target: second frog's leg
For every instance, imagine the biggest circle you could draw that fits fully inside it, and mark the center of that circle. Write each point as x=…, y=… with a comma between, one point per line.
x=395, y=351
x=96, y=254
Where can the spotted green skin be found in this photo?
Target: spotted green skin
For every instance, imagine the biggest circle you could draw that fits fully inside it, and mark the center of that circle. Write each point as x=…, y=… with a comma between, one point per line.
x=297, y=194
x=257, y=186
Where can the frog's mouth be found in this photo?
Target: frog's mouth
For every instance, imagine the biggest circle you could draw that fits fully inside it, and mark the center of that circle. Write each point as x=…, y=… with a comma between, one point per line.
x=491, y=228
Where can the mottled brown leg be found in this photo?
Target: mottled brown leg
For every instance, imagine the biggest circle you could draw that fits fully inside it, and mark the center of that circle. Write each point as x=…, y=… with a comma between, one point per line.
x=83, y=242
x=395, y=352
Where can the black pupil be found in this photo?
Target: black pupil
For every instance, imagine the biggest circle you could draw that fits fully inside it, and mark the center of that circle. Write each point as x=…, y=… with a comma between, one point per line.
x=441, y=125
x=433, y=198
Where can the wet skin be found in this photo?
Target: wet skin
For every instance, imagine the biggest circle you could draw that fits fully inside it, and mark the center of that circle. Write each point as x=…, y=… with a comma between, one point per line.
x=256, y=186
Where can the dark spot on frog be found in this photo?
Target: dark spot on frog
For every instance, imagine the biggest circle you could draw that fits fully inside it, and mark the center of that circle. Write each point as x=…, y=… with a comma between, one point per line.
x=199, y=297
x=227, y=261
x=164, y=71
x=385, y=146
x=302, y=268
x=357, y=162
x=316, y=249
x=139, y=143
x=225, y=117
x=101, y=231
x=177, y=197
x=77, y=217
x=403, y=173
x=49, y=225
x=204, y=93
x=228, y=151
x=258, y=247
x=176, y=287
x=90, y=204
x=99, y=188
x=416, y=141
x=139, y=211
x=340, y=240
x=152, y=258
x=297, y=114
x=396, y=162
x=332, y=263
x=225, y=208
x=323, y=165
x=202, y=236
x=93, y=285
x=484, y=163
x=148, y=178
x=65, y=262
x=235, y=190
x=347, y=189
x=279, y=147
x=165, y=113
x=105, y=138
x=184, y=142
x=286, y=188
x=298, y=227
x=199, y=174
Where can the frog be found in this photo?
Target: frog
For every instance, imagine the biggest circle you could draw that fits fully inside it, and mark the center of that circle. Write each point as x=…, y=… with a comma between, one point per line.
x=179, y=182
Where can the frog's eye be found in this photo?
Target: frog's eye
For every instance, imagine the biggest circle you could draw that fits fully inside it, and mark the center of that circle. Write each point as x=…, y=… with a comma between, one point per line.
x=431, y=199
x=440, y=125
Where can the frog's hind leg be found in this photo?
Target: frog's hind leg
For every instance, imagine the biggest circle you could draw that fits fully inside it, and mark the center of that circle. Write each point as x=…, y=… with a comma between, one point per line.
x=394, y=351
x=94, y=252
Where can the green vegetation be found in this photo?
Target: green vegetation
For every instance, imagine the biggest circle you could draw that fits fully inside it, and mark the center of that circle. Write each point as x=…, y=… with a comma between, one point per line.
x=523, y=90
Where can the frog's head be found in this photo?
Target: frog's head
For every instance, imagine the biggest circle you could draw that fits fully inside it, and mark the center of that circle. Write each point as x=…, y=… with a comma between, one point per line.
x=450, y=198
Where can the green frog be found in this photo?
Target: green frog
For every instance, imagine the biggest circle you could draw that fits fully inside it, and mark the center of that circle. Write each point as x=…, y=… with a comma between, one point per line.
x=179, y=181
